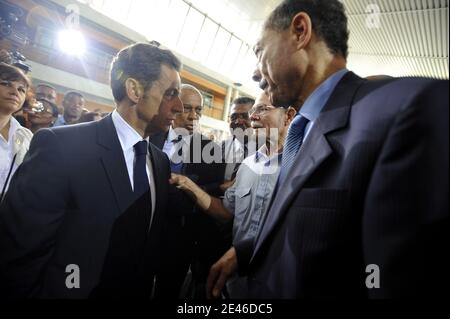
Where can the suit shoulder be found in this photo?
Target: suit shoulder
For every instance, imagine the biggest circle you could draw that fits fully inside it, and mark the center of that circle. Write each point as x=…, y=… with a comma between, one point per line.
x=400, y=86
x=76, y=131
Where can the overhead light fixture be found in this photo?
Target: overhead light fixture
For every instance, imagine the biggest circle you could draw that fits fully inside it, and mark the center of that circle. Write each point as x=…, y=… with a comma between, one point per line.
x=72, y=42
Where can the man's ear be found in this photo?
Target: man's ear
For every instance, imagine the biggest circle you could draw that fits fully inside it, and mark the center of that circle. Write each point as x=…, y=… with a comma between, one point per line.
x=290, y=114
x=301, y=29
x=134, y=90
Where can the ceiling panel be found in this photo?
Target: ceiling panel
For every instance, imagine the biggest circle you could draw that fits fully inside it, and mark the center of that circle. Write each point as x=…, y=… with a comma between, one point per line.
x=411, y=37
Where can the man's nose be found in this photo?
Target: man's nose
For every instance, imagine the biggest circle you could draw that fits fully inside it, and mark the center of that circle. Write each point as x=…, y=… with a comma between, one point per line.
x=193, y=116
x=257, y=75
x=254, y=116
x=177, y=106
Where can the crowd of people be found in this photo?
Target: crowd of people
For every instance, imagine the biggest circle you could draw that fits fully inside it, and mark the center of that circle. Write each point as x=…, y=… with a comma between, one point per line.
x=325, y=174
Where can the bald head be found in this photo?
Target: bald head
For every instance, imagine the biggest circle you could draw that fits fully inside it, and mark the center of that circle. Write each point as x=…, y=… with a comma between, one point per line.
x=193, y=107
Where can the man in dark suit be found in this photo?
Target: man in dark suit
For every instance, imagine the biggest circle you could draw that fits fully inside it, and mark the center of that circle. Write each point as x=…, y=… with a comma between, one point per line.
x=88, y=207
x=361, y=208
x=200, y=239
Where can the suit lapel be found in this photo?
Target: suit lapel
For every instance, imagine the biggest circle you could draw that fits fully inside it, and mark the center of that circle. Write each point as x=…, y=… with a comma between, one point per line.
x=114, y=163
x=314, y=152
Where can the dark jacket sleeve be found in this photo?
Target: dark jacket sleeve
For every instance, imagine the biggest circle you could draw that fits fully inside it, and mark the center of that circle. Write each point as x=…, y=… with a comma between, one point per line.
x=30, y=216
x=244, y=252
x=405, y=218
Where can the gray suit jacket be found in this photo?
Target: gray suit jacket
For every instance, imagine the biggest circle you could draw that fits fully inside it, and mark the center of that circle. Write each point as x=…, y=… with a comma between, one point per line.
x=370, y=186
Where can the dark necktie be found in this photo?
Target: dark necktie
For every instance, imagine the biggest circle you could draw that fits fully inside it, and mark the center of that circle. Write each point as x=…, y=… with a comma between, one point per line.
x=141, y=184
x=177, y=168
x=237, y=165
x=294, y=141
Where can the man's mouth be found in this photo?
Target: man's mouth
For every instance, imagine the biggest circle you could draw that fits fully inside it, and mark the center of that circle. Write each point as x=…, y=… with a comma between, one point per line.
x=257, y=125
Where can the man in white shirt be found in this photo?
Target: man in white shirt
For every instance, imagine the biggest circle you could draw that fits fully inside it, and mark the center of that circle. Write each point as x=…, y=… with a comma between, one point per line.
x=94, y=197
x=241, y=144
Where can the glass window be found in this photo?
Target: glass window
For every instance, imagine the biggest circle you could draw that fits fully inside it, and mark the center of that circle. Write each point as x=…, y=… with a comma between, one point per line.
x=218, y=50
x=117, y=10
x=190, y=32
x=141, y=16
x=231, y=54
x=170, y=25
x=241, y=60
x=205, y=40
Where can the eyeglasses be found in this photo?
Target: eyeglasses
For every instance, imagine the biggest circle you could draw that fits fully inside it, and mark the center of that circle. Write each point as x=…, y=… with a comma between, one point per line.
x=38, y=107
x=261, y=109
x=237, y=116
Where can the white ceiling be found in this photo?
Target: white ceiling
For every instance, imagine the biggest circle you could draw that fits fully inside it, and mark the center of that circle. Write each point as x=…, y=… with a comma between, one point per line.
x=244, y=18
x=394, y=37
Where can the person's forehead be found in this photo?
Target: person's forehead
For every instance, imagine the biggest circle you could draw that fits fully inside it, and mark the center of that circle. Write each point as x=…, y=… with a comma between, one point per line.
x=75, y=98
x=45, y=89
x=241, y=108
x=169, y=76
x=16, y=81
x=263, y=100
x=262, y=38
x=191, y=95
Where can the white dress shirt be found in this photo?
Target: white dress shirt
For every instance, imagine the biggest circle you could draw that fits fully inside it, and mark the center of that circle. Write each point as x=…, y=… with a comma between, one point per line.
x=18, y=142
x=169, y=145
x=235, y=154
x=128, y=137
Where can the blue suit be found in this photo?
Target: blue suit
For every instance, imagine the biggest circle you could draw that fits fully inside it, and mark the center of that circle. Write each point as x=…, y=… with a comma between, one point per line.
x=369, y=186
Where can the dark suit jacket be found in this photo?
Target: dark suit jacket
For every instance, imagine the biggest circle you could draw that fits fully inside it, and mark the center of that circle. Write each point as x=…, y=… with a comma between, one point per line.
x=200, y=241
x=370, y=186
x=63, y=203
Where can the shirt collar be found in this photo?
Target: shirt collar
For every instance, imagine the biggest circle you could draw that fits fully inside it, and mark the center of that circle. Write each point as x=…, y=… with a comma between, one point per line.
x=319, y=98
x=61, y=120
x=172, y=136
x=13, y=127
x=128, y=136
x=261, y=154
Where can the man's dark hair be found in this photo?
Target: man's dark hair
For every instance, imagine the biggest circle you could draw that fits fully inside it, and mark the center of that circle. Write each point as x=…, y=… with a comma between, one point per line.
x=243, y=100
x=328, y=18
x=46, y=86
x=142, y=62
x=69, y=94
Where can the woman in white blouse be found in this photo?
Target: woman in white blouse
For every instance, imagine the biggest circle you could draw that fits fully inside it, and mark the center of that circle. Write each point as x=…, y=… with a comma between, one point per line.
x=14, y=139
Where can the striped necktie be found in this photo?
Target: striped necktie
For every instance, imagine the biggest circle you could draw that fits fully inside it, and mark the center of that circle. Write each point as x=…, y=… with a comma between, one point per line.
x=294, y=141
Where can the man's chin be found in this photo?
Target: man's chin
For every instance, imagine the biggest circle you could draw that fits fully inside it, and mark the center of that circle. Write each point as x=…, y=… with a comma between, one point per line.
x=279, y=101
x=241, y=127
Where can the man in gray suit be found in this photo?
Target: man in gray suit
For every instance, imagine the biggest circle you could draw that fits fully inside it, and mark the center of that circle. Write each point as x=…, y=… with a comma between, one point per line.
x=361, y=207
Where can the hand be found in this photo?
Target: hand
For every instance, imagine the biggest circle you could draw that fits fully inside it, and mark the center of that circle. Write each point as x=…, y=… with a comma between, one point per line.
x=187, y=185
x=224, y=187
x=220, y=272
x=183, y=182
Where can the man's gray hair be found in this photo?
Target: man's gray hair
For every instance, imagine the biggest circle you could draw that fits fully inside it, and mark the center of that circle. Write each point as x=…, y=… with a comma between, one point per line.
x=188, y=87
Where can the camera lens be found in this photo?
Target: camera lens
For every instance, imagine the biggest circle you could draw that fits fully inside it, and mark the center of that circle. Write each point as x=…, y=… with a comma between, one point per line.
x=38, y=107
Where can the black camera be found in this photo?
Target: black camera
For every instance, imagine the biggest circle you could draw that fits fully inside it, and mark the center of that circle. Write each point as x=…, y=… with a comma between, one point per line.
x=18, y=60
